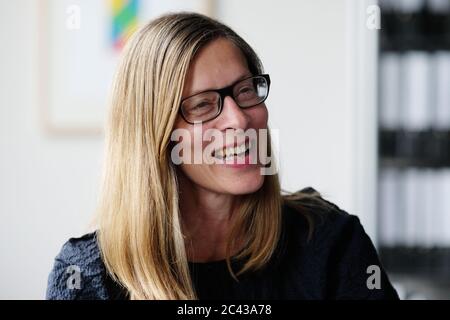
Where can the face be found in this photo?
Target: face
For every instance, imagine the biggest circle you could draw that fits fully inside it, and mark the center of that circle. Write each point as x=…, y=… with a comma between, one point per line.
x=217, y=65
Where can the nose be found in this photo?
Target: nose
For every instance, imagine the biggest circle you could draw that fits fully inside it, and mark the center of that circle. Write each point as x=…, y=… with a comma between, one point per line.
x=232, y=116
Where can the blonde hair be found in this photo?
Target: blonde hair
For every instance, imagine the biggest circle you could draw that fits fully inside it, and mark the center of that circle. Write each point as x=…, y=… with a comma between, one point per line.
x=139, y=230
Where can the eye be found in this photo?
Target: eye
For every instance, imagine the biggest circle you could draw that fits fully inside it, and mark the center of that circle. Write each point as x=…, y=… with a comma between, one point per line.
x=248, y=89
x=246, y=92
x=201, y=104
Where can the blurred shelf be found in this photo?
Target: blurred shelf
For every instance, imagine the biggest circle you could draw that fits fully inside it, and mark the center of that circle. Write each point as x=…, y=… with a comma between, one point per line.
x=402, y=148
x=429, y=263
x=423, y=30
x=419, y=288
x=407, y=27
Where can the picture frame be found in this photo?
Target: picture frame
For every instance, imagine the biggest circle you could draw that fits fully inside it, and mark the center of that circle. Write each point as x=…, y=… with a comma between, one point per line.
x=79, y=44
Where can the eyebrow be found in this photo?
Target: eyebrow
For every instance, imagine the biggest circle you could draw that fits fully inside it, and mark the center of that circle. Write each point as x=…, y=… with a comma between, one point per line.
x=242, y=77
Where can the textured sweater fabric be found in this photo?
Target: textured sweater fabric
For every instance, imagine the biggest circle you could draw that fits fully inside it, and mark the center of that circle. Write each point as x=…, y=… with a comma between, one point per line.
x=339, y=261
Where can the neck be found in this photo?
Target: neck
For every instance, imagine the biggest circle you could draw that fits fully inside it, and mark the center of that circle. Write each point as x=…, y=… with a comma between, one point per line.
x=206, y=220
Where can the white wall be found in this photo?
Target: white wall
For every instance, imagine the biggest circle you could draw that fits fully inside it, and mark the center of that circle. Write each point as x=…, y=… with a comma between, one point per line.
x=48, y=184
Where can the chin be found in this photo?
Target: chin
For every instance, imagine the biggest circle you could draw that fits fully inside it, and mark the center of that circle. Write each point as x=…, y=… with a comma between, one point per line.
x=245, y=186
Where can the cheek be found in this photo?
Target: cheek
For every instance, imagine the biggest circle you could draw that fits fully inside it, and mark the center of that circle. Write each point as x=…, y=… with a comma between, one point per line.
x=259, y=116
x=180, y=123
x=192, y=145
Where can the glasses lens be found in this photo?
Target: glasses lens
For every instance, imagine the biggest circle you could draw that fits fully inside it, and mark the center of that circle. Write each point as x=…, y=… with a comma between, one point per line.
x=201, y=107
x=250, y=92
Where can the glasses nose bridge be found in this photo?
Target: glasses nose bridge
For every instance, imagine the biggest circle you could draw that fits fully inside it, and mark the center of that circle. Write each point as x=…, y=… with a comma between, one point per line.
x=226, y=92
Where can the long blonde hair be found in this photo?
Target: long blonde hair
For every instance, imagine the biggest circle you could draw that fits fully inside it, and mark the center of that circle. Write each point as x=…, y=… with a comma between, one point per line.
x=139, y=230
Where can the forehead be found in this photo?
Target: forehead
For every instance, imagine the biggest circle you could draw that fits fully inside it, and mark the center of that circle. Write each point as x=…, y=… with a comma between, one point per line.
x=216, y=65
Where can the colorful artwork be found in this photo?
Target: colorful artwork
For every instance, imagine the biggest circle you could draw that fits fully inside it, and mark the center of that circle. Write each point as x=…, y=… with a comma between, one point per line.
x=80, y=42
x=124, y=22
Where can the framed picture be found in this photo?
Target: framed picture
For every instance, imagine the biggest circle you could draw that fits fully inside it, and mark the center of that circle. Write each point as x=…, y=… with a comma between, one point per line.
x=79, y=45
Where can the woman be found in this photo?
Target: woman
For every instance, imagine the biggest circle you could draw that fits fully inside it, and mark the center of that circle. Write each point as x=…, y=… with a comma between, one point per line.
x=170, y=229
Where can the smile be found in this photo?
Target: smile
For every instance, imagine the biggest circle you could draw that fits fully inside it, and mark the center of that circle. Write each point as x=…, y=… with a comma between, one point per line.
x=227, y=153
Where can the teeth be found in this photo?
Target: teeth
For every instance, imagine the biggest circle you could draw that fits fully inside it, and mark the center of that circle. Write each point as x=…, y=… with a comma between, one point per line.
x=219, y=153
x=232, y=151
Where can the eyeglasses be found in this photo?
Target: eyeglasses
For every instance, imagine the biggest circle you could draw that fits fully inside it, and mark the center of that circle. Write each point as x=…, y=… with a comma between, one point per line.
x=207, y=105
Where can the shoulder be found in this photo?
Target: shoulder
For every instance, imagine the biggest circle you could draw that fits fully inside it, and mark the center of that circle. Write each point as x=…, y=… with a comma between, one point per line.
x=78, y=271
x=307, y=212
x=81, y=250
x=338, y=252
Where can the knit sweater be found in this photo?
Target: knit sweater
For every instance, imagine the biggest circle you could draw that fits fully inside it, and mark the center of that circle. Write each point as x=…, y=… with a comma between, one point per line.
x=339, y=261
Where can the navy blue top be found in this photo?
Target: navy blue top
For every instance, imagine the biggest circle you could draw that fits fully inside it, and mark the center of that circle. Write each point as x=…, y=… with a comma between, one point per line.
x=333, y=264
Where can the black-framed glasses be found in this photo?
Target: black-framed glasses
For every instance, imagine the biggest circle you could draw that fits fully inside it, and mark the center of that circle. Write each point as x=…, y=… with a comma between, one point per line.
x=207, y=105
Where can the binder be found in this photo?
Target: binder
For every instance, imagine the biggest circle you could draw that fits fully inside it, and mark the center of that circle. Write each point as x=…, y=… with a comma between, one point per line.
x=441, y=114
x=389, y=84
x=445, y=207
x=412, y=207
x=441, y=219
x=430, y=214
x=438, y=6
x=408, y=6
x=415, y=91
x=390, y=223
